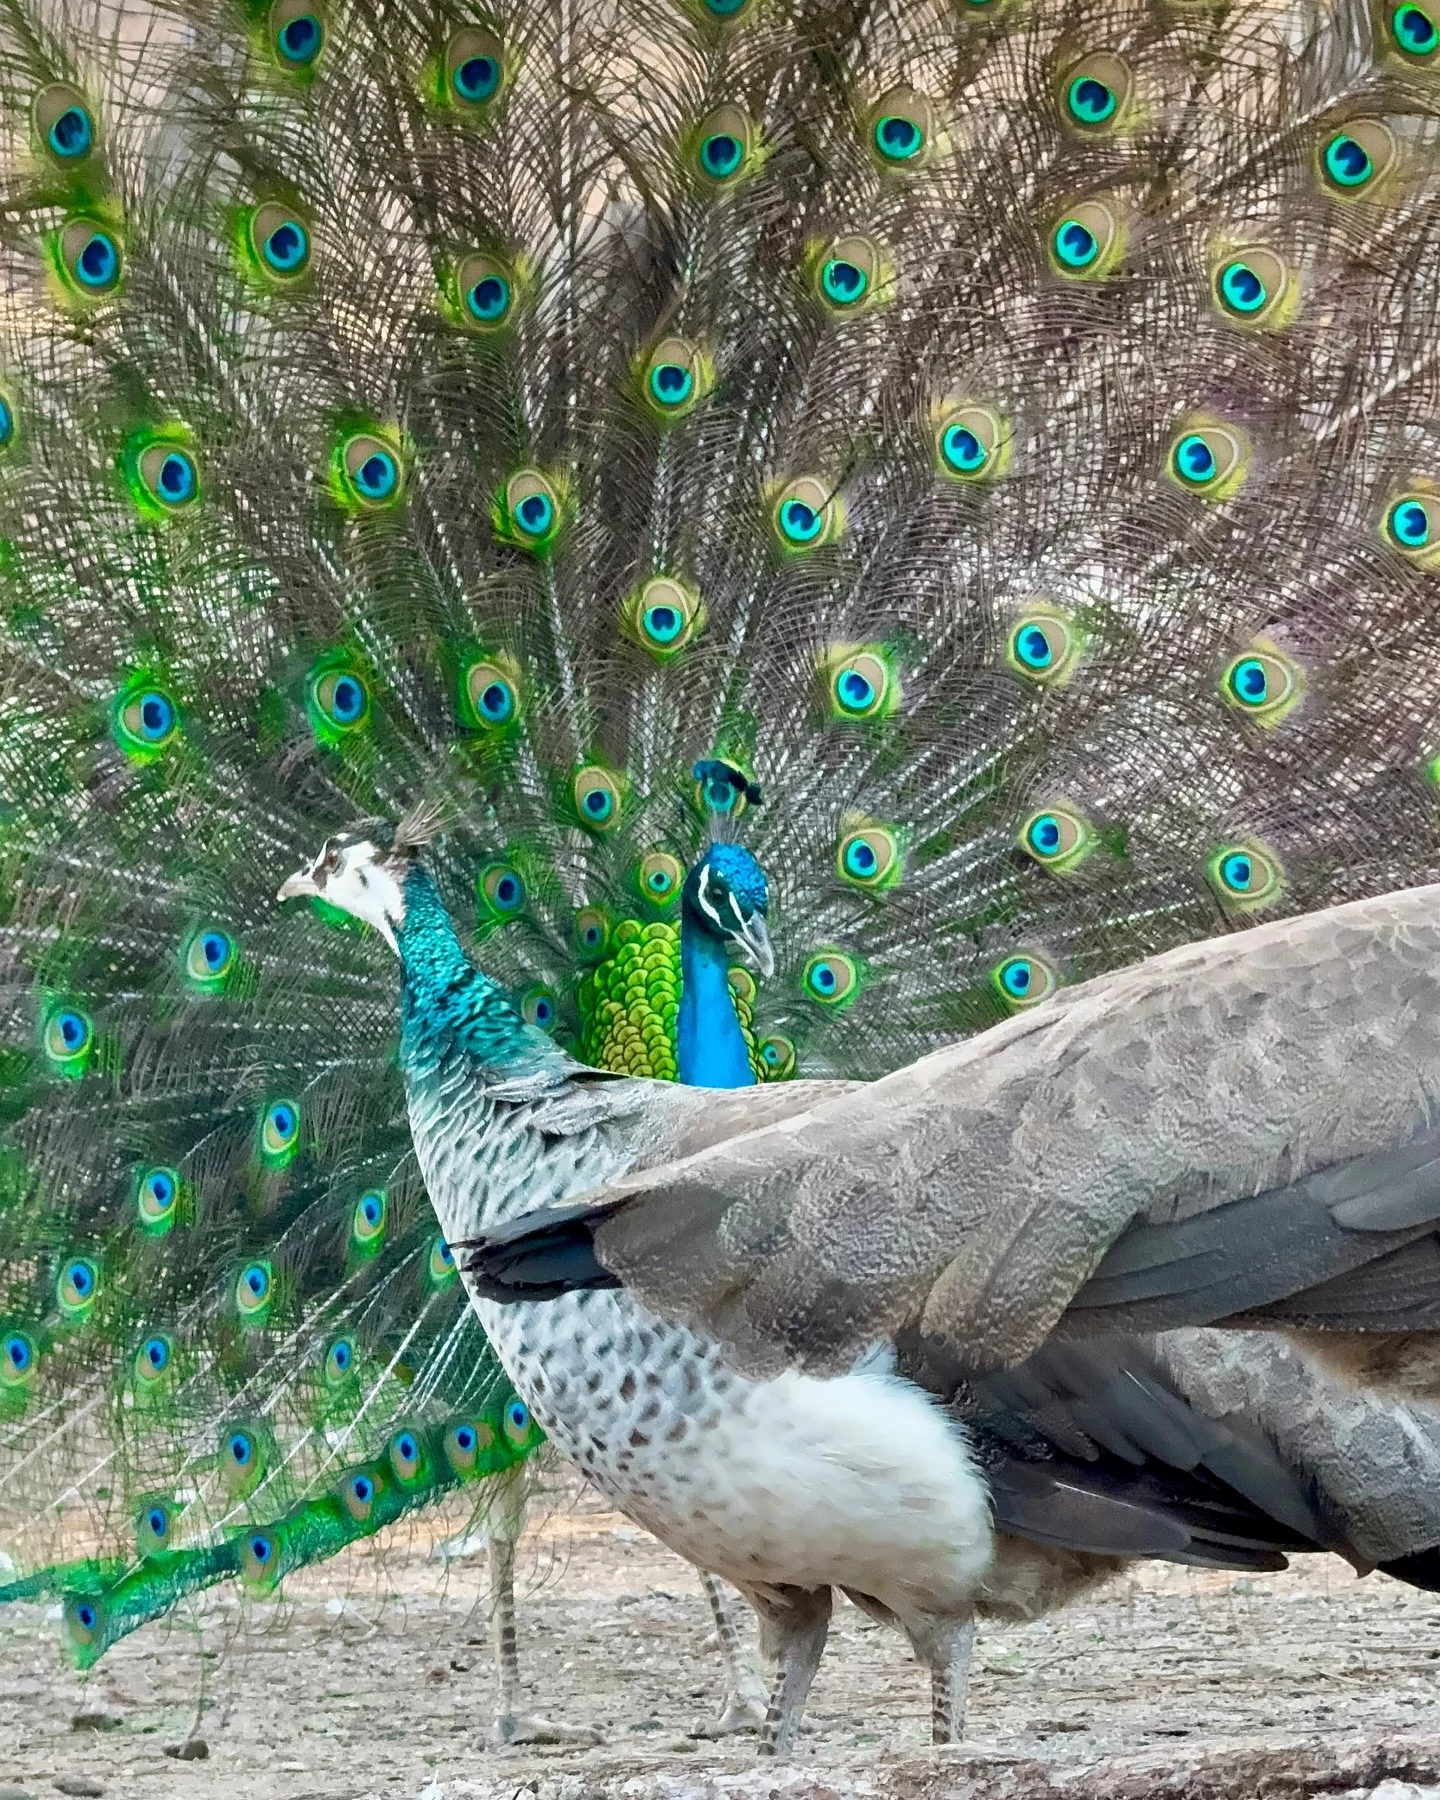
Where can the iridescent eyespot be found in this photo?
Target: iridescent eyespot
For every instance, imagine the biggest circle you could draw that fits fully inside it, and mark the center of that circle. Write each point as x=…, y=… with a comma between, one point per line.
x=861, y=682
x=1356, y=157
x=84, y=1623
x=831, y=978
x=1095, y=93
x=721, y=155
x=76, y=1287
x=1023, y=980
x=489, y=694
x=528, y=512
x=1347, y=163
x=597, y=797
x=1261, y=683
x=337, y=699
x=659, y=877
x=1044, y=647
x=154, y=1524
x=261, y=1559
x=972, y=443
x=254, y=1291
x=464, y=1444
x=68, y=1040
x=152, y=1359
x=297, y=33
x=367, y=1225
x=674, y=378
x=1412, y=526
x=724, y=12
x=501, y=892
x=279, y=242
x=240, y=1449
x=1241, y=289
x=1244, y=877
x=440, y=1263
x=537, y=1006
x=7, y=423
x=339, y=1363
x=486, y=292
x=279, y=1132
x=144, y=719
x=474, y=65
x=900, y=129
x=157, y=1200
x=207, y=959
x=849, y=272
x=1207, y=458
x=89, y=258
x=1086, y=242
x=1254, y=286
x=243, y=1459
x=663, y=615
x=154, y=718
x=805, y=514
x=517, y=1421
x=723, y=787
x=406, y=1456
x=898, y=139
x=1413, y=31
x=777, y=1058
x=870, y=856
x=724, y=145
x=743, y=986
x=592, y=931
x=18, y=1357
x=64, y=123
x=1057, y=838
x=368, y=472
x=358, y=1492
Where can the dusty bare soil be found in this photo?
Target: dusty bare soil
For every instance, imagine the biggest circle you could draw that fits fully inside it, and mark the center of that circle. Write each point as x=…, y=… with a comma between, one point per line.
x=376, y=1678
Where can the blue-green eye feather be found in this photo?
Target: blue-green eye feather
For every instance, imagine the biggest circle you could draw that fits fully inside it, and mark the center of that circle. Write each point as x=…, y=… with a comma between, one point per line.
x=931, y=517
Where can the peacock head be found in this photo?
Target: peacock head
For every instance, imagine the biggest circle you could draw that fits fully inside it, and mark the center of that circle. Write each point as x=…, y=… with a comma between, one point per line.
x=725, y=897
x=353, y=873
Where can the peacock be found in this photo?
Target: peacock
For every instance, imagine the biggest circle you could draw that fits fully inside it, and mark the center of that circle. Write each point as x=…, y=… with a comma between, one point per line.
x=522, y=472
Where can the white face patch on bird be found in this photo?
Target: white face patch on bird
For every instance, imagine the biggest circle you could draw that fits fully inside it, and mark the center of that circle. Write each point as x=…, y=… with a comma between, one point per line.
x=355, y=875
x=746, y=929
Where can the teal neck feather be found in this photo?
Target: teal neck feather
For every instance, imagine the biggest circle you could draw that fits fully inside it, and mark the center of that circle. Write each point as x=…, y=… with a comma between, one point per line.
x=710, y=1047
x=446, y=1000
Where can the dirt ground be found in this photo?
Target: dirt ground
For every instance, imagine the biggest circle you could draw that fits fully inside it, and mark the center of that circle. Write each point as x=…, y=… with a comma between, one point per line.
x=377, y=1679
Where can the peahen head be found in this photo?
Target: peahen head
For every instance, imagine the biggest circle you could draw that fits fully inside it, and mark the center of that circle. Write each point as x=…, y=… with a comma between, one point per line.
x=352, y=872
x=725, y=897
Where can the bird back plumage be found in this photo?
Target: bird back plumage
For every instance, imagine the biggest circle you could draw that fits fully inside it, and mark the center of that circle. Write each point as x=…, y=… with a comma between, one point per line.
x=1002, y=435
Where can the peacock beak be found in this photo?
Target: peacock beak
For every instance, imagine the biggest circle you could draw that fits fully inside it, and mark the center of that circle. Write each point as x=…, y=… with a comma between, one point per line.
x=297, y=886
x=754, y=941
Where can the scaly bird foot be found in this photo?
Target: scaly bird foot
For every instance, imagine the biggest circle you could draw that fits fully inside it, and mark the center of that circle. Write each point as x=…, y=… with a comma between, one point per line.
x=742, y=1711
x=526, y=1728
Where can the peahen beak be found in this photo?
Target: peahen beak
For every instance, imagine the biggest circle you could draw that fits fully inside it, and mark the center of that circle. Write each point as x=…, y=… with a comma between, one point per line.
x=754, y=941
x=297, y=886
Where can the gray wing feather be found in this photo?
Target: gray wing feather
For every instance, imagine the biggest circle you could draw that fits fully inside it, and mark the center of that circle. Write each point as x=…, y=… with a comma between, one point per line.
x=1262, y=1098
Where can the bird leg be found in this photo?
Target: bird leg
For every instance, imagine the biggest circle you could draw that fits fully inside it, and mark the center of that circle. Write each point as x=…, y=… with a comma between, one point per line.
x=944, y=1644
x=512, y=1726
x=742, y=1706
x=949, y=1680
x=794, y=1623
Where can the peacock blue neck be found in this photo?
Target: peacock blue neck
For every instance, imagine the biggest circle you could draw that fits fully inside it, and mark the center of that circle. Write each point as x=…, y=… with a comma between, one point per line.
x=446, y=1000
x=710, y=1047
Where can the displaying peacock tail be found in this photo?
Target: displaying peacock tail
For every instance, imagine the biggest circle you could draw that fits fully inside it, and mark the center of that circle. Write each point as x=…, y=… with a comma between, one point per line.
x=979, y=457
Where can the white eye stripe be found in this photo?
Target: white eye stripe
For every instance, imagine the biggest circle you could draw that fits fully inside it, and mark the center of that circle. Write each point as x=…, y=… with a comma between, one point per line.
x=706, y=904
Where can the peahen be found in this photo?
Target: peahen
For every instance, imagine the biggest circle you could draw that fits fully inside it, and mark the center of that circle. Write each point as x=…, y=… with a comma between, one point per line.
x=1000, y=432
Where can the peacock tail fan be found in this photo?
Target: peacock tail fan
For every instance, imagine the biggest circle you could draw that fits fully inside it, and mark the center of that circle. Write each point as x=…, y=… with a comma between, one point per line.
x=998, y=438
